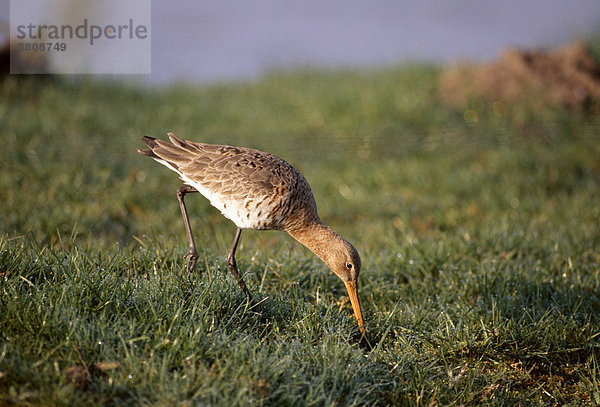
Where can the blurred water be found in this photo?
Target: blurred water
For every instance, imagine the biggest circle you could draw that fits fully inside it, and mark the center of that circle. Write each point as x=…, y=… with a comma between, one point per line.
x=222, y=40
x=205, y=41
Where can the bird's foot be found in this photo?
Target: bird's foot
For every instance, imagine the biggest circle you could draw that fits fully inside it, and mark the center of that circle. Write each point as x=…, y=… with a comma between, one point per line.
x=192, y=260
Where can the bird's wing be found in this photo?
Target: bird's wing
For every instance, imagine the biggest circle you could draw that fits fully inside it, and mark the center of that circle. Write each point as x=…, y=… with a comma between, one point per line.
x=231, y=172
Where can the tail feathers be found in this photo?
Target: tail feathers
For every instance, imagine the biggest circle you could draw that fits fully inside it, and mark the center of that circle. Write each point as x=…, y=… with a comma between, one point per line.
x=183, y=144
x=177, y=148
x=147, y=153
x=150, y=142
x=171, y=155
x=176, y=140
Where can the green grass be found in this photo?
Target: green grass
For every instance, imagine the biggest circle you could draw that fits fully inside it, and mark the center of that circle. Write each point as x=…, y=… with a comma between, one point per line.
x=480, y=245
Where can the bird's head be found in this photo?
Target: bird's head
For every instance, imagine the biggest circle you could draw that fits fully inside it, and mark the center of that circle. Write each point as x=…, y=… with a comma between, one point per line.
x=343, y=260
x=339, y=255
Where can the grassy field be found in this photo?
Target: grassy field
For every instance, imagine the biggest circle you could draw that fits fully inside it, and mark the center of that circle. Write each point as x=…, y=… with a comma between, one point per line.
x=480, y=242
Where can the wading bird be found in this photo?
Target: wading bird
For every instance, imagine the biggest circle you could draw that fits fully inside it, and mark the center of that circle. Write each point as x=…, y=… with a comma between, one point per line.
x=255, y=190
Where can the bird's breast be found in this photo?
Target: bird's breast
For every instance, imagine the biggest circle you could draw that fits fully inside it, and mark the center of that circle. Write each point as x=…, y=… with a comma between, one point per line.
x=250, y=213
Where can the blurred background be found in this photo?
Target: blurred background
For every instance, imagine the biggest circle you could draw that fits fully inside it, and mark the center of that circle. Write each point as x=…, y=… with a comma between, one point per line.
x=207, y=41
x=470, y=190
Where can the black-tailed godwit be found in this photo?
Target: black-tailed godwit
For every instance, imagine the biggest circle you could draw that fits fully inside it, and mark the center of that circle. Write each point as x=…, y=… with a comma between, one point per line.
x=256, y=190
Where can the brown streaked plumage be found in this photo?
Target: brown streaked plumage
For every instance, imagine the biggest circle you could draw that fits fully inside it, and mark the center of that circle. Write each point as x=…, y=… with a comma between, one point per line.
x=256, y=190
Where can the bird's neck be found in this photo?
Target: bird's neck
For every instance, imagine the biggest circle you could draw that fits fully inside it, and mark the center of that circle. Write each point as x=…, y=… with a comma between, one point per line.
x=317, y=237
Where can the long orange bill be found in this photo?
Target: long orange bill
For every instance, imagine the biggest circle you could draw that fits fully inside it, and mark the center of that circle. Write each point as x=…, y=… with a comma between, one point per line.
x=353, y=293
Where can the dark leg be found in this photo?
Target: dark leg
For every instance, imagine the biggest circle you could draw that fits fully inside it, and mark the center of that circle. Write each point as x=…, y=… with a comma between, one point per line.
x=193, y=254
x=233, y=266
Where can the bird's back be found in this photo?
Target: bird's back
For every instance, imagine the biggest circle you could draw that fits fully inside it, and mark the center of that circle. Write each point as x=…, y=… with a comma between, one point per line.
x=255, y=189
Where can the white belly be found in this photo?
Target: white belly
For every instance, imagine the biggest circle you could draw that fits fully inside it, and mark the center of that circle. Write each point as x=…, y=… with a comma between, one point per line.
x=246, y=214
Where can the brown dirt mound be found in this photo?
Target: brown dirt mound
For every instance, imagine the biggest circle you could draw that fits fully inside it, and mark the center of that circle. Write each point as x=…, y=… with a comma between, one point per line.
x=567, y=76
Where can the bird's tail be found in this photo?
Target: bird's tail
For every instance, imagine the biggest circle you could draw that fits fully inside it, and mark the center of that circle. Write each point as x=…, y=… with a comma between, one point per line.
x=150, y=142
x=172, y=155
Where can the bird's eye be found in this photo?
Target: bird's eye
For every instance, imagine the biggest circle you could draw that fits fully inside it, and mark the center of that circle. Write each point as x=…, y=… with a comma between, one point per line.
x=348, y=266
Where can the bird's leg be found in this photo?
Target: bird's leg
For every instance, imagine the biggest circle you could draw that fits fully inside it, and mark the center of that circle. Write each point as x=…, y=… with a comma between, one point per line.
x=193, y=254
x=233, y=266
